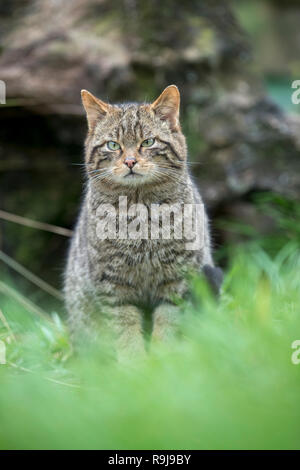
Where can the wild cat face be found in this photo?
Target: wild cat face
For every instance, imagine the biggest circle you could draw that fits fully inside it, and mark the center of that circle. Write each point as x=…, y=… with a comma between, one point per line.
x=134, y=144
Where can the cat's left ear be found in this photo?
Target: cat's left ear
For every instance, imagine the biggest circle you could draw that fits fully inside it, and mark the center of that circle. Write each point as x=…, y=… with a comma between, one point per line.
x=167, y=106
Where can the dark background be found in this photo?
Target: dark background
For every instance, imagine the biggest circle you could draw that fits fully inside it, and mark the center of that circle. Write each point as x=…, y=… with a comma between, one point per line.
x=234, y=63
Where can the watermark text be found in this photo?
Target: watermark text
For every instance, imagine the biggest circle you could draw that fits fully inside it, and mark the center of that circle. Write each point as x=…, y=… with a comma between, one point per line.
x=176, y=221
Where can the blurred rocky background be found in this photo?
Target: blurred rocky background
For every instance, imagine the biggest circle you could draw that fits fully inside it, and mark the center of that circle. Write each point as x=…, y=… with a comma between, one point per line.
x=234, y=62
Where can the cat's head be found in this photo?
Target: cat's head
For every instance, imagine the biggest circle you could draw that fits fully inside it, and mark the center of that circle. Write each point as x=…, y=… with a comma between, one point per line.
x=134, y=144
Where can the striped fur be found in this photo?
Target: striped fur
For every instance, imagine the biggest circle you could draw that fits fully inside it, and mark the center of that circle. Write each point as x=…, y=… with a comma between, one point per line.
x=110, y=283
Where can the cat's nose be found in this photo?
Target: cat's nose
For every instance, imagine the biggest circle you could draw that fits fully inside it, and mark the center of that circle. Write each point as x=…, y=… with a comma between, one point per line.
x=130, y=162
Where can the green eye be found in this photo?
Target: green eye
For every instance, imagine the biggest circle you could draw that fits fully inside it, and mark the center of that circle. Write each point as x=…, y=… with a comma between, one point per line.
x=113, y=145
x=148, y=143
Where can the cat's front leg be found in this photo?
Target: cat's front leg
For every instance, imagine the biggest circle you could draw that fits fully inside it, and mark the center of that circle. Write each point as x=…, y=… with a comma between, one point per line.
x=125, y=323
x=166, y=319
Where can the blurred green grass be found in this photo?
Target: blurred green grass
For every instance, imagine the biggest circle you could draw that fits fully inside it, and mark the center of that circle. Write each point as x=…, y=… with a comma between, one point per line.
x=229, y=383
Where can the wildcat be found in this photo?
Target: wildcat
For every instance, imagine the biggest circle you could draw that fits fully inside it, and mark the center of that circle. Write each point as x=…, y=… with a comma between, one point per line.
x=137, y=151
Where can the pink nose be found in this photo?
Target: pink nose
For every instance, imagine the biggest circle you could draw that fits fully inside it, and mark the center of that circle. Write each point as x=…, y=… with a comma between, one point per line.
x=130, y=162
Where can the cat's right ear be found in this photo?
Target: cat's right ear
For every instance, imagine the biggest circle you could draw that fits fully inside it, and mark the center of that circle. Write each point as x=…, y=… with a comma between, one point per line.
x=95, y=109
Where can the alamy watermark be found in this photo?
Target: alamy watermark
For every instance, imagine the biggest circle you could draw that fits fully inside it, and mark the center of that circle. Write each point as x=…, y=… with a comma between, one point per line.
x=296, y=94
x=2, y=92
x=2, y=353
x=295, y=358
x=176, y=221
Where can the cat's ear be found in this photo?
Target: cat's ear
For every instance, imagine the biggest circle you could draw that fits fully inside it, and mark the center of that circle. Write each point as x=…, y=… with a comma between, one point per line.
x=94, y=108
x=167, y=106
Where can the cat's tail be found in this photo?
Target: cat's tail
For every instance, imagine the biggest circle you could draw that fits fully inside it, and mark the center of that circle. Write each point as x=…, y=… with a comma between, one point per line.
x=214, y=276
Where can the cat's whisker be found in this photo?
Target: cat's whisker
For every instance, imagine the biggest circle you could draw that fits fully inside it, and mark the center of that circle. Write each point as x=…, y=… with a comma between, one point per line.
x=101, y=176
x=194, y=164
x=95, y=171
x=98, y=173
x=170, y=173
x=167, y=176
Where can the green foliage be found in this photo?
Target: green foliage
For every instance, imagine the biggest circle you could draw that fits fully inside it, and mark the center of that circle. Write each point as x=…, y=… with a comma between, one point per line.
x=282, y=218
x=227, y=383
x=285, y=212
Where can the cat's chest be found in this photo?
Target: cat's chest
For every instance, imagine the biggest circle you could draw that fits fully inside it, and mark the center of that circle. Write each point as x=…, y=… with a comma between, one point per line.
x=143, y=264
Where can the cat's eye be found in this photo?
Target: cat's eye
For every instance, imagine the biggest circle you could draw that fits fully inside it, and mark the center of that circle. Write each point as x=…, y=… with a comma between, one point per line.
x=148, y=143
x=111, y=145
